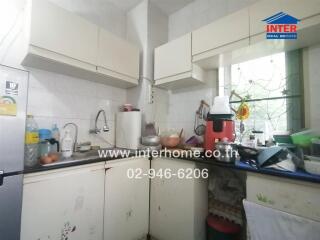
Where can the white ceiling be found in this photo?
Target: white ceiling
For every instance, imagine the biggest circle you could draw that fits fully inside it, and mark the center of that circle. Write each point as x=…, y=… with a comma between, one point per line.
x=167, y=6
x=170, y=6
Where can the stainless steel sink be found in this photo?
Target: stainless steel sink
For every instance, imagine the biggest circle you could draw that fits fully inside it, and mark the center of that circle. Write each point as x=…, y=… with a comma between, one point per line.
x=77, y=156
x=80, y=156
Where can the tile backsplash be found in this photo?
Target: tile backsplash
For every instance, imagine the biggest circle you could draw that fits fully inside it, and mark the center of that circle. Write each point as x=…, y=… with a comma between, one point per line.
x=55, y=98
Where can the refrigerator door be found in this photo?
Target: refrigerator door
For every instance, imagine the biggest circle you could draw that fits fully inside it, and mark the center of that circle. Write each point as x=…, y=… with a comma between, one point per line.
x=13, y=103
x=10, y=207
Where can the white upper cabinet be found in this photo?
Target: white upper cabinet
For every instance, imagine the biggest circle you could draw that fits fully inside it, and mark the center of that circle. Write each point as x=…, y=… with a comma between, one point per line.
x=118, y=58
x=61, y=35
x=267, y=8
x=221, y=33
x=173, y=64
x=173, y=58
x=63, y=42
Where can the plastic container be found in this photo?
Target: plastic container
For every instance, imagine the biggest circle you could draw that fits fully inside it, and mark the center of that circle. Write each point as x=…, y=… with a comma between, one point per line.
x=45, y=134
x=31, y=150
x=55, y=132
x=221, y=105
x=303, y=139
x=221, y=229
x=47, y=144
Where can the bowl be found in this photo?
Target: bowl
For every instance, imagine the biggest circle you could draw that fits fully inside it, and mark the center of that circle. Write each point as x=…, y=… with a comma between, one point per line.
x=150, y=140
x=170, y=141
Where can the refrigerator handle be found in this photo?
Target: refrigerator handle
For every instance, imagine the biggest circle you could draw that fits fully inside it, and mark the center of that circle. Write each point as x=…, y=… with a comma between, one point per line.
x=1, y=177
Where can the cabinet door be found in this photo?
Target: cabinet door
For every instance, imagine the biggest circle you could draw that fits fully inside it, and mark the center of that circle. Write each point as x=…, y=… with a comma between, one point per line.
x=173, y=58
x=64, y=204
x=126, y=200
x=294, y=197
x=177, y=205
x=267, y=8
x=60, y=31
x=118, y=55
x=224, y=31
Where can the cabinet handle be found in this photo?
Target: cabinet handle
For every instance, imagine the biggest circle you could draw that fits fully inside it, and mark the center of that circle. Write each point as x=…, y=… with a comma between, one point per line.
x=1, y=177
x=107, y=169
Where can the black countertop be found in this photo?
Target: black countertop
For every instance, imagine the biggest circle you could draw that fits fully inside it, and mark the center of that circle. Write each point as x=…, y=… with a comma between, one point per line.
x=240, y=166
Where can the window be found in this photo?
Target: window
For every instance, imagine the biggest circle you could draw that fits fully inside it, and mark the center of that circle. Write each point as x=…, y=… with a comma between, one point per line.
x=271, y=86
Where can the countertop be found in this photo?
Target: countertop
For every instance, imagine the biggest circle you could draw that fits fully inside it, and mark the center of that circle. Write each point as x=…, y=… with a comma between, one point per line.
x=238, y=165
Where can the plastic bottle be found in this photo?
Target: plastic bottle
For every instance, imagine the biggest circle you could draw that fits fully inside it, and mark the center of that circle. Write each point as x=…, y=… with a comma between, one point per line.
x=31, y=150
x=55, y=132
x=67, y=145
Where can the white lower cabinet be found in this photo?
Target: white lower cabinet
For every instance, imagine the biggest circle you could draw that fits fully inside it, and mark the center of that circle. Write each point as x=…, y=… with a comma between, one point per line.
x=291, y=196
x=64, y=204
x=110, y=201
x=126, y=199
x=178, y=207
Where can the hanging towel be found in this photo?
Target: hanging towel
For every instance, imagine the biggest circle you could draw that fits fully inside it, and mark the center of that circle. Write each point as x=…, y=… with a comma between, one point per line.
x=269, y=224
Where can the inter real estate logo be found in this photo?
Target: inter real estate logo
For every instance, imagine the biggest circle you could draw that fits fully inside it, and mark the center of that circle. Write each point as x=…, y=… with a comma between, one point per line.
x=281, y=26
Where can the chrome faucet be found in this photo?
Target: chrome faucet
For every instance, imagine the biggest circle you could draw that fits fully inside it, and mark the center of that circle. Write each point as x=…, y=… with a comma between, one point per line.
x=105, y=127
x=76, y=134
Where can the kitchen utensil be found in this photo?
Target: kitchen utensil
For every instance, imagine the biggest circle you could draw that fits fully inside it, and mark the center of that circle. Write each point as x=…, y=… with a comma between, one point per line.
x=200, y=115
x=170, y=138
x=150, y=140
x=218, y=127
x=199, y=129
x=150, y=130
x=84, y=147
x=180, y=135
x=48, y=146
x=193, y=141
x=170, y=142
x=227, y=152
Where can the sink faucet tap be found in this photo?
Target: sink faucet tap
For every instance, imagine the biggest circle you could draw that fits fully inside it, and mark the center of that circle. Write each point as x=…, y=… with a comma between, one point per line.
x=76, y=134
x=105, y=127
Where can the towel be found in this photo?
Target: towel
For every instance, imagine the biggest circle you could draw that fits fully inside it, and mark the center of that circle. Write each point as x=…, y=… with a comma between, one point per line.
x=269, y=224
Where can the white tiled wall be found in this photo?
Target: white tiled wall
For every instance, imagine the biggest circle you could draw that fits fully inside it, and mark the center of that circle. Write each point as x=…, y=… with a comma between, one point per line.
x=184, y=103
x=55, y=98
x=201, y=12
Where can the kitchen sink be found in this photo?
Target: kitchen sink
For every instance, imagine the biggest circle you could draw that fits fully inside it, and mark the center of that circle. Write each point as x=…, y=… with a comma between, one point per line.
x=79, y=156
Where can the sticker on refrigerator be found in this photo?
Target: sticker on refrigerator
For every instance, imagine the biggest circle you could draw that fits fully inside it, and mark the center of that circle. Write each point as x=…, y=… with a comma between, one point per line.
x=12, y=88
x=8, y=106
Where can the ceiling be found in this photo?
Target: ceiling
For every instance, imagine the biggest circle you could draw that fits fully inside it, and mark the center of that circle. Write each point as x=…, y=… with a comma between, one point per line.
x=170, y=6
x=167, y=6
